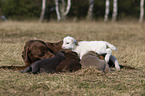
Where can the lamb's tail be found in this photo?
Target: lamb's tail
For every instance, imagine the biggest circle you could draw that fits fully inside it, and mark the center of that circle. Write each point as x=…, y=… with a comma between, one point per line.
x=14, y=67
x=111, y=46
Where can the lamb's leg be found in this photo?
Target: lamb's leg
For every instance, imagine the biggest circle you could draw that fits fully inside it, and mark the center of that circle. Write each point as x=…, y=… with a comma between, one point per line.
x=82, y=53
x=107, y=57
x=114, y=60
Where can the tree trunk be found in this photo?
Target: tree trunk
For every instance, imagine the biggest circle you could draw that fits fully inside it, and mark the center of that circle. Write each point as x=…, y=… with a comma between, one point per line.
x=141, y=11
x=114, y=15
x=43, y=10
x=107, y=10
x=68, y=7
x=57, y=10
x=90, y=10
x=62, y=9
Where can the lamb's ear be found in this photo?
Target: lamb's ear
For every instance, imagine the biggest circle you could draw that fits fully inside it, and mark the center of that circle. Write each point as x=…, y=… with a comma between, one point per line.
x=76, y=42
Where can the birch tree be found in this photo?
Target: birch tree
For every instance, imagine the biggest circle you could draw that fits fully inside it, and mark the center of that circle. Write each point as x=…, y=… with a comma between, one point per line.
x=141, y=11
x=114, y=15
x=107, y=4
x=90, y=10
x=68, y=7
x=57, y=10
x=43, y=10
x=64, y=9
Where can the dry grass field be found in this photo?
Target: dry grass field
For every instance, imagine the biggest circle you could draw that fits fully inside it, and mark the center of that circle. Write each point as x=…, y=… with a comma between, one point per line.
x=129, y=38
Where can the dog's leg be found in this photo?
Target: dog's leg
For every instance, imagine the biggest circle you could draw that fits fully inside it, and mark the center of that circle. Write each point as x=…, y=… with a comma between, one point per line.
x=28, y=69
x=35, y=69
x=115, y=62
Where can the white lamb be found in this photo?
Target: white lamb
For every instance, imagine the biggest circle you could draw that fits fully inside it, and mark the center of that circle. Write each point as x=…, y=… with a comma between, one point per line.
x=82, y=47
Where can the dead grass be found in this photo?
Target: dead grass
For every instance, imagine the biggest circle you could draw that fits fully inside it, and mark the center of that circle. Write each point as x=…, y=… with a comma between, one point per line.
x=128, y=37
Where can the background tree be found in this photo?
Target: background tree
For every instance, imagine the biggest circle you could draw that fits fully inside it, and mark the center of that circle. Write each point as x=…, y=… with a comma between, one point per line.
x=107, y=4
x=141, y=11
x=68, y=7
x=73, y=9
x=57, y=10
x=90, y=10
x=43, y=10
x=114, y=15
x=62, y=9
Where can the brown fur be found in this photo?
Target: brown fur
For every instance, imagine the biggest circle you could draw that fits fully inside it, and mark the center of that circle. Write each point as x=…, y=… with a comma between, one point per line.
x=71, y=63
x=36, y=50
x=56, y=46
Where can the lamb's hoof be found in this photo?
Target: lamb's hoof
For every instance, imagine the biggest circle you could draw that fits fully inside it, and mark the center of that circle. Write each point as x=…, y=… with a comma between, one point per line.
x=118, y=69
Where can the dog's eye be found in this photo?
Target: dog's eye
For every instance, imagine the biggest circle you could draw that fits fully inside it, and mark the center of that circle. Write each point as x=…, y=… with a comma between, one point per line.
x=67, y=43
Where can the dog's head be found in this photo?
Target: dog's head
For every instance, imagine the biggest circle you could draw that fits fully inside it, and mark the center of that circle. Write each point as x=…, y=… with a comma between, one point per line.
x=35, y=50
x=69, y=43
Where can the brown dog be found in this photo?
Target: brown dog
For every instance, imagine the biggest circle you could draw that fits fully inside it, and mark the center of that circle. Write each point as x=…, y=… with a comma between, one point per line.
x=36, y=50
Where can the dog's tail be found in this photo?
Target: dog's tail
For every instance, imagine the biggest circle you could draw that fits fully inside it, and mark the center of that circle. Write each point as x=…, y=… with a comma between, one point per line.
x=111, y=46
x=13, y=67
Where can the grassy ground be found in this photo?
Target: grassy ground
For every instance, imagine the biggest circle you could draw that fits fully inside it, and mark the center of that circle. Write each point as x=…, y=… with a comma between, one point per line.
x=128, y=37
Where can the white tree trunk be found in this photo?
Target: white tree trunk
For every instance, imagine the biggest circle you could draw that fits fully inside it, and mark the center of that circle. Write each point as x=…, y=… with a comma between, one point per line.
x=141, y=11
x=68, y=7
x=114, y=15
x=43, y=10
x=62, y=8
x=90, y=10
x=57, y=10
x=107, y=10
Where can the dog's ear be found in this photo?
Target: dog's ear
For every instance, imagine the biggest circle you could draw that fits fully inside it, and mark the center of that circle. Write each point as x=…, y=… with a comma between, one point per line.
x=25, y=56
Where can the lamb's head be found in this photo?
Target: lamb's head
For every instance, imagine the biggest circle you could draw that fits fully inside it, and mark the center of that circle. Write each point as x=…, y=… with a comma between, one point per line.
x=69, y=43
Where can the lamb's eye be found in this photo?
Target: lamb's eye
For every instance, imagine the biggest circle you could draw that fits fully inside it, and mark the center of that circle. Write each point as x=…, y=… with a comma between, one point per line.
x=67, y=43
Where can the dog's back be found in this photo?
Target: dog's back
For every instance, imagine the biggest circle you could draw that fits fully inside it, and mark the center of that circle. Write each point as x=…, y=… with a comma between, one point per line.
x=47, y=65
x=71, y=63
x=92, y=59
